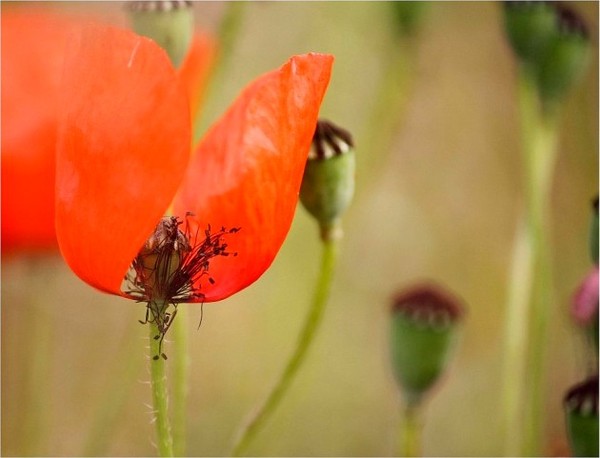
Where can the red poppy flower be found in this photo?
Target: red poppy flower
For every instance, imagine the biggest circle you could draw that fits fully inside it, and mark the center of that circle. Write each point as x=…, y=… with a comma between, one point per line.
x=32, y=57
x=123, y=159
x=33, y=51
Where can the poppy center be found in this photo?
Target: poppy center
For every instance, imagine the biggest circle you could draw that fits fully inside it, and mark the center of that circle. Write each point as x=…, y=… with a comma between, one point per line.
x=170, y=266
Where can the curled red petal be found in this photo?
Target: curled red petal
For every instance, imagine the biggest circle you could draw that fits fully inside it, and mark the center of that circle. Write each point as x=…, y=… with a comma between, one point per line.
x=123, y=145
x=33, y=48
x=248, y=169
x=195, y=69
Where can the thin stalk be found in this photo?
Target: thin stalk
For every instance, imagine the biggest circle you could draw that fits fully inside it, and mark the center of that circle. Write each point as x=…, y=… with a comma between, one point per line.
x=542, y=299
x=158, y=380
x=410, y=431
x=37, y=354
x=515, y=337
x=180, y=367
x=35, y=423
x=307, y=334
x=111, y=404
x=529, y=304
x=227, y=36
x=391, y=101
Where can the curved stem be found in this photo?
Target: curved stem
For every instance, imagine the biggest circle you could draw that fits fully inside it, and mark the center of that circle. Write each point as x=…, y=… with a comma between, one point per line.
x=158, y=380
x=311, y=325
x=180, y=364
x=410, y=432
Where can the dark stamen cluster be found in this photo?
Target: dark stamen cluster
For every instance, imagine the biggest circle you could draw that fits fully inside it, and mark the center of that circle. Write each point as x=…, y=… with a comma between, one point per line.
x=169, y=267
x=330, y=140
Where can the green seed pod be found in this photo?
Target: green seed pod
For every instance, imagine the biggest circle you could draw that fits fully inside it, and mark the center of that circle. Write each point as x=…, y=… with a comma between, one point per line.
x=170, y=23
x=423, y=334
x=530, y=27
x=581, y=412
x=328, y=182
x=594, y=232
x=566, y=57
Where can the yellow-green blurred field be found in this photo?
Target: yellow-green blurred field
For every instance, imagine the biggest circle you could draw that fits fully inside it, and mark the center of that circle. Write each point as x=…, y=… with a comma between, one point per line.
x=441, y=203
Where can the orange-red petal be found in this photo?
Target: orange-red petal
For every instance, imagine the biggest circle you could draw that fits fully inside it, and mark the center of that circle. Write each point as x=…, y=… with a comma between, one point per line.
x=195, y=69
x=247, y=170
x=123, y=145
x=33, y=47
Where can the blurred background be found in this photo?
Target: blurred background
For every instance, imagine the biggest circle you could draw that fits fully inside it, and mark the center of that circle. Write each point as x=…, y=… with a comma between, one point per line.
x=438, y=199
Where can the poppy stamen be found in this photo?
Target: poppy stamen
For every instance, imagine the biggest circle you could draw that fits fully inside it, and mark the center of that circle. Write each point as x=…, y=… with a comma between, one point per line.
x=168, y=269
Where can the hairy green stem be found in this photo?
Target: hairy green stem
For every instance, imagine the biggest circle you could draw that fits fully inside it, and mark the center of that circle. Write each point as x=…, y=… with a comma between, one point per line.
x=530, y=290
x=307, y=334
x=410, y=432
x=180, y=377
x=158, y=380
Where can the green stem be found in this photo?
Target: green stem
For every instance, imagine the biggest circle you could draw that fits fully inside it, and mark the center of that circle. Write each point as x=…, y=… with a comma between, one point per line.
x=37, y=349
x=115, y=397
x=515, y=337
x=158, y=380
x=410, y=432
x=530, y=292
x=390, y=106
x=227, y=36
x=35, y=423
x=542, y=300
x=180, y=362
x=307, y=334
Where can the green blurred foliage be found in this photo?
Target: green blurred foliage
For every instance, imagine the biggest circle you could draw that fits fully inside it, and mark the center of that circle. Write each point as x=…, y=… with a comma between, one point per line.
x=440, y=203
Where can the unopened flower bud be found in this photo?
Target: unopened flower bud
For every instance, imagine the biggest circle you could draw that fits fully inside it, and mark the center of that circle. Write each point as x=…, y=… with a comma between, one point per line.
x=423, y=333
x=169, y=22
x=328, y=182
x=581, y=411
x=594, y=232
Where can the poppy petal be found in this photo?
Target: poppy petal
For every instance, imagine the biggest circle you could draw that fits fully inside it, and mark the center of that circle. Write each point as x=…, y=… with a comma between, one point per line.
x=33, y=48
x=247, y=170
x=195, y=70
x=123, y=145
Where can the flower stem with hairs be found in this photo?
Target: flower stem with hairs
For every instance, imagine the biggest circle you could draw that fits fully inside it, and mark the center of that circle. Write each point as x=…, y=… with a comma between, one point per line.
x=158, y=380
